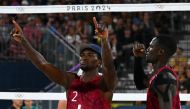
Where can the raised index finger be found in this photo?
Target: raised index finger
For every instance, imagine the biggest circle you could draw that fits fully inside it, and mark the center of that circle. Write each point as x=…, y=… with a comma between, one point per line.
x=95, y=22
x=17, y=26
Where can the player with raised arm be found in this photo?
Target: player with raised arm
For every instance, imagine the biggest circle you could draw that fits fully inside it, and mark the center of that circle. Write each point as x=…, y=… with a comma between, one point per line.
x=162, y=82
x=90, y=90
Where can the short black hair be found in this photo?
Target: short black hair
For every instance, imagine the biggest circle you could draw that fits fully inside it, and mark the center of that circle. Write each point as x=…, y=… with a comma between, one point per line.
x=168, y=43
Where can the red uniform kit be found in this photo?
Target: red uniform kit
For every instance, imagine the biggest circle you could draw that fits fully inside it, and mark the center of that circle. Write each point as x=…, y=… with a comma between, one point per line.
x=152, y=99
x=86, y=95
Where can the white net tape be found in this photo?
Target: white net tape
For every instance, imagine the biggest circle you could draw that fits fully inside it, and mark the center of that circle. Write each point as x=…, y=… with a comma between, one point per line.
x=89, y=8
x=62, y=96
x=95, y=8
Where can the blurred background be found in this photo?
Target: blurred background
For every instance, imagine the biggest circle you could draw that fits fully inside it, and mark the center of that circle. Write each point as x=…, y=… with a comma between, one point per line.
x=59, y=36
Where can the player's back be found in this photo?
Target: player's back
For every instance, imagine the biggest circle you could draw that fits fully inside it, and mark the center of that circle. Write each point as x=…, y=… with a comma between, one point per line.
x=86, y=95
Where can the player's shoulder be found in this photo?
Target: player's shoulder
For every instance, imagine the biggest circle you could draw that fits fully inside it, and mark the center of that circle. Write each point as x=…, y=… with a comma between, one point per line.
x=72, y=75
x=165, y=76
x=167, y=73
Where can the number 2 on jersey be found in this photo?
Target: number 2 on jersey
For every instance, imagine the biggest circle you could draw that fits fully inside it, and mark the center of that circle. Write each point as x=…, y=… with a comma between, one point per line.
x=74, y=99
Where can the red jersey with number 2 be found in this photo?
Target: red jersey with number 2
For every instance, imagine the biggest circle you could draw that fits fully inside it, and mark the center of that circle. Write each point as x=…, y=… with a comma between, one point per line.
x=86, y=95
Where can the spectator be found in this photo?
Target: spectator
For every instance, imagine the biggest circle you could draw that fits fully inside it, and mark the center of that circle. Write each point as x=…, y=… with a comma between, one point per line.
x=178, y=60
x=32, y=31
x=72, y=37
x=28, y=104
x=187, y=82
x=16, y=104
x=4, y=36
x=126, y=47
x=148, y=29
x=179, y=63
x=62, y=104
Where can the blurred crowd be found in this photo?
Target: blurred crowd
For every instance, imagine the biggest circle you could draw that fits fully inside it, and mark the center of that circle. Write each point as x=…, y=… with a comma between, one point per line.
x=22, y=104
x=181, y=65
x=77, y=28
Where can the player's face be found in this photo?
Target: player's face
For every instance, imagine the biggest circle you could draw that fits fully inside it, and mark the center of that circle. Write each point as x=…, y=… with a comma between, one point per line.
x=152, y=51
x=89, y=60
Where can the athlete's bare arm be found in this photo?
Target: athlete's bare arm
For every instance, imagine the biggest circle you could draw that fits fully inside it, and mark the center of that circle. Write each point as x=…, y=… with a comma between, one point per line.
x=39, y=61
x=140, y=78
x=109, y=72
x=165, y=88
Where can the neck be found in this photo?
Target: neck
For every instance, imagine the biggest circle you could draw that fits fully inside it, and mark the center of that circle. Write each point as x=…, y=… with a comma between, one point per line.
x=159, y=65
x=89, y=75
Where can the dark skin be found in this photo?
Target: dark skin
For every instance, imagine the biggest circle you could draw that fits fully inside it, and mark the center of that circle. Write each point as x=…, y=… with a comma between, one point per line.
x=88, y=59
x=155, y=55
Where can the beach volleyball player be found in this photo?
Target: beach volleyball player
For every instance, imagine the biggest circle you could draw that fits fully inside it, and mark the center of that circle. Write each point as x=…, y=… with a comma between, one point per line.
x=162, y=82
x=90, y=90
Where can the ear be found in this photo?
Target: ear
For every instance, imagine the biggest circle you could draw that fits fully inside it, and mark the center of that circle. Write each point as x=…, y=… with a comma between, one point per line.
x=161, y=52
x=99, y=62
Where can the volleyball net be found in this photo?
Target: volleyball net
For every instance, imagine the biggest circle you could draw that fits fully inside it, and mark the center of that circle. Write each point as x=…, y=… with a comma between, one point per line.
x=152, y=7
x=62, y=96
x=95, y=8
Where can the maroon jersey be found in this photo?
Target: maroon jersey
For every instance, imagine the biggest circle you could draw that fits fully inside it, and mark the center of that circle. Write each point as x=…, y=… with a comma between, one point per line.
x=86, y=95
x=152, y=100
